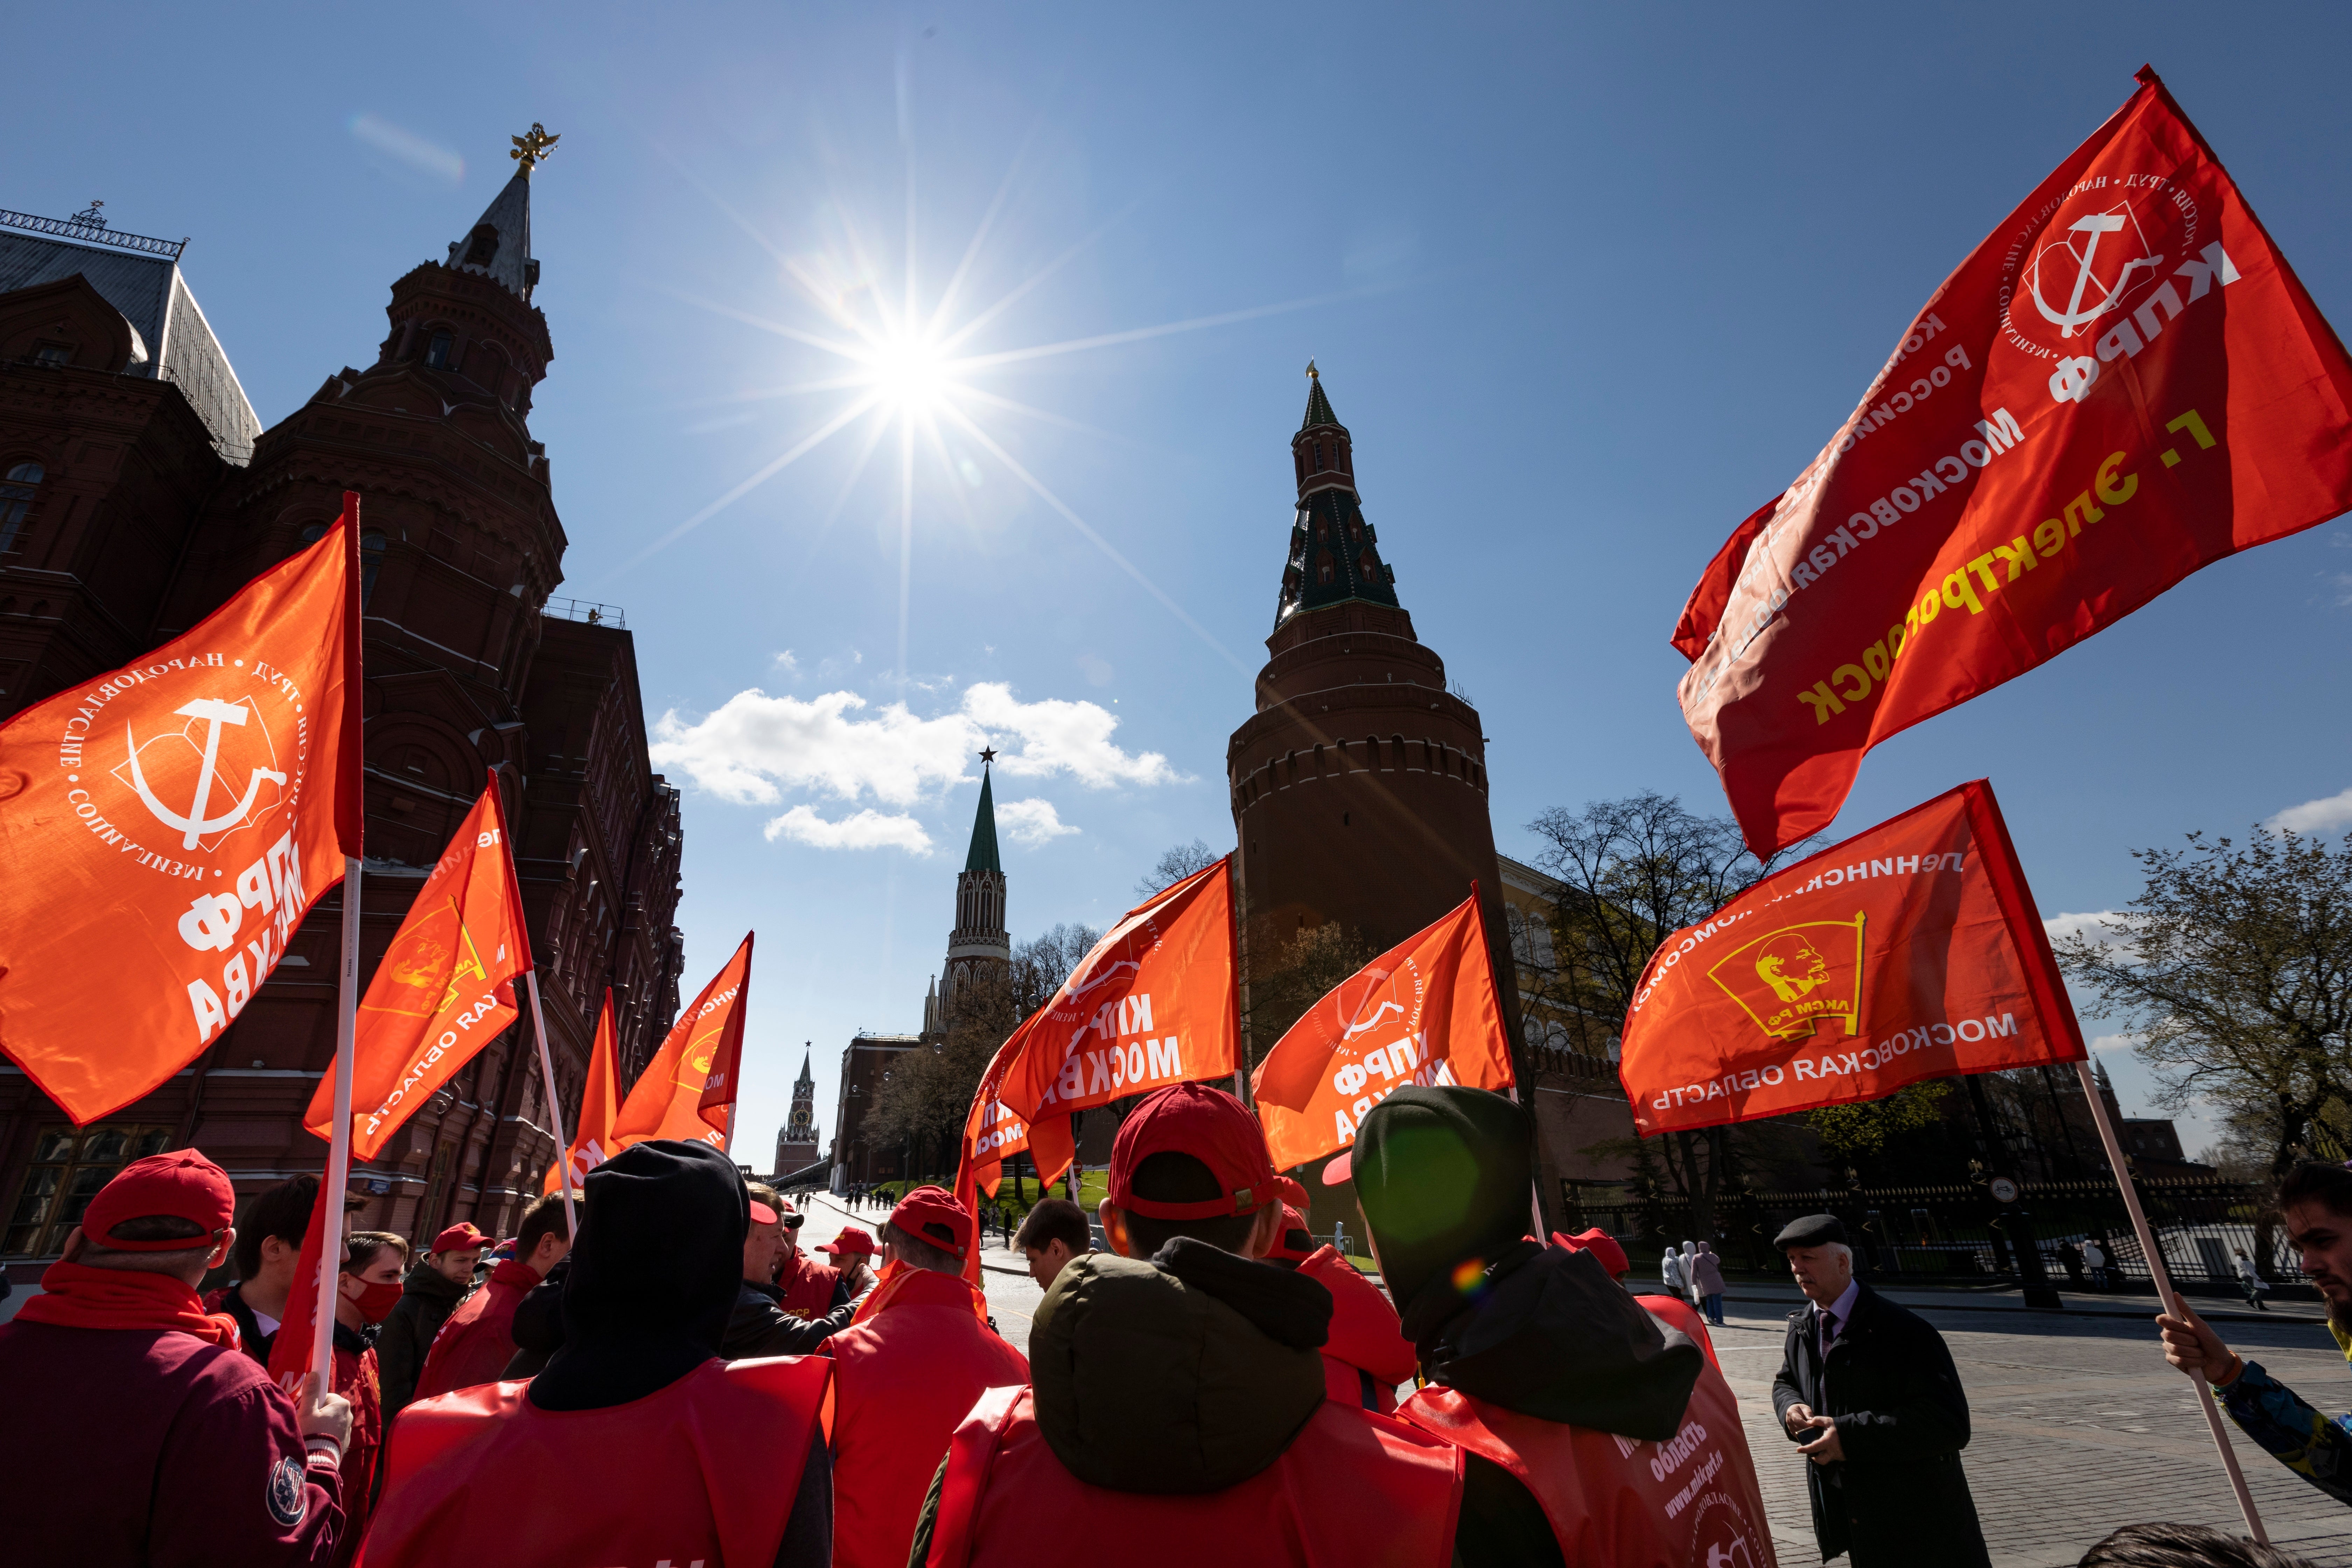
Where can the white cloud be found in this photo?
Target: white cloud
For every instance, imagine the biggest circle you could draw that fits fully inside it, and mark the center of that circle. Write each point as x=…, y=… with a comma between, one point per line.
x=869, y=829
x=408, y=149
x=2109, y=928
x=755, y=747
x=787, y=663
x=2325, y=816
x=1031, y=822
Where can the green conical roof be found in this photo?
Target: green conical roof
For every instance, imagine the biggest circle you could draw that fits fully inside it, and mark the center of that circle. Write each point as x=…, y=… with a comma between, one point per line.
x=1318, y=407
x=983, y=831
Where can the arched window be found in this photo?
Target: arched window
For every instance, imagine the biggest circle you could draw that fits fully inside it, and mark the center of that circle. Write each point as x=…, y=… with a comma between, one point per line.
x=1324, y=564
x=370, y=556
x=16, y=493
x=436, y=349
x=481, y=247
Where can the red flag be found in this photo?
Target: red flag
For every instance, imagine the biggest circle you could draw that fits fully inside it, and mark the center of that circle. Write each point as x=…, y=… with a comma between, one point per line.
x=290, y=1352
x=445, y=988
x=669, y=1097
x=2123, y=384
x=1423, y=1012
x=167, y=826
x=1909, y=952
x=599, y=1102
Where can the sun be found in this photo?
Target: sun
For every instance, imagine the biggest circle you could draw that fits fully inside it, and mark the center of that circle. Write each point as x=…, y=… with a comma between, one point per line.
x=911, y=371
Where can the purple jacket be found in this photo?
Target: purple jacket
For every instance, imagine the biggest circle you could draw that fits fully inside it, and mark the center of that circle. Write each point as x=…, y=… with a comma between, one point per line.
x=136, y=1446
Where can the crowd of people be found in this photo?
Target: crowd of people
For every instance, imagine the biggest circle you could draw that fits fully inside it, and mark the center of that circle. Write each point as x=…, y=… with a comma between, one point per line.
x=683, y=1382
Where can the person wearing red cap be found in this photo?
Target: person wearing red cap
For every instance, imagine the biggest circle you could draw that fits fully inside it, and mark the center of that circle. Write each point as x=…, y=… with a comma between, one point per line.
x=1179, y=1412
x=475, y=1345
x=760, y=1325
x=851, y=1252
x=905, y=1373
x=1671, y=1310
x=1367, y=1355
x=430, y=1292
x=807, y=1290
x=135, y=1430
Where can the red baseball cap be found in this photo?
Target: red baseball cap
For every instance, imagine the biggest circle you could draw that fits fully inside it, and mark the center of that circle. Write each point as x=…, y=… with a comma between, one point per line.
x=1599, y=1243
x=761, y=1214
x=1292, y=1191
x=933, y=1214
x=459, y=1238
x=1213, y=1128
x=182, y=1183
x=851, y=1240
x=1294, y=1245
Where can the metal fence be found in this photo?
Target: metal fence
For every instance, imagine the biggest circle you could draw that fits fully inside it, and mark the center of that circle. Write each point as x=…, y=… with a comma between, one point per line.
x=1962, y=1235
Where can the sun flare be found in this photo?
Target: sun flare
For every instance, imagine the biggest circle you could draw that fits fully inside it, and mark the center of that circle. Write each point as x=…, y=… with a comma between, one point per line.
x=912, y=371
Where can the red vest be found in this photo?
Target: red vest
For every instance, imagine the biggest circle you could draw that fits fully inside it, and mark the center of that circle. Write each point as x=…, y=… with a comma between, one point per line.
x=1353, y=1490
x=807, y=1287
x=902, y=1380
x=1365, y=1336
x=1676, y=1313
x=478, y=1340
x=705, y=1469
x=1691, y=1502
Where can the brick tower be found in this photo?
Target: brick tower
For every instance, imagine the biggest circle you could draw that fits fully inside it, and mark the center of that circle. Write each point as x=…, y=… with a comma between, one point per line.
x=1359, y=784
x=979, y=939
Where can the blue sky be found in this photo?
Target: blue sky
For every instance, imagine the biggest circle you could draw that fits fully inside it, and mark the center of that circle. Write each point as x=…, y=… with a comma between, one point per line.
x=1587, y=286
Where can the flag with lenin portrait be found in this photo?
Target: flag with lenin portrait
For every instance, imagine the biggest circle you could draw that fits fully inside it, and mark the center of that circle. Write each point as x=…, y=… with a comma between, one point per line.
x=1911, y=951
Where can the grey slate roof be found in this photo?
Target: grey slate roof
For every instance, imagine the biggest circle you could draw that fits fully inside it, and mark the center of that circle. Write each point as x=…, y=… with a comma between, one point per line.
x=509, y=218
x=155, y=300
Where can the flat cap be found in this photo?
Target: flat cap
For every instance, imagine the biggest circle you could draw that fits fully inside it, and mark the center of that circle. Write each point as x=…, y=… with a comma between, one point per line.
x=1813, y=1230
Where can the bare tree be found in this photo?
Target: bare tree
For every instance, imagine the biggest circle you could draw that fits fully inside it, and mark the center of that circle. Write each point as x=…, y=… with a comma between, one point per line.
x=1177, y=862
x=2235, y=968
x=1633, y=871
x=1303, y=971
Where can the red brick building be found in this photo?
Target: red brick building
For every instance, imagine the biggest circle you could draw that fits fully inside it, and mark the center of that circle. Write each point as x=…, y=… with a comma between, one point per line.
x=138, y=491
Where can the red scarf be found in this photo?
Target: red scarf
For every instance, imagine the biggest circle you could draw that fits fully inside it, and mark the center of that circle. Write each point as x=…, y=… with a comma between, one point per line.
x=76, y=1296
x=900, y=1285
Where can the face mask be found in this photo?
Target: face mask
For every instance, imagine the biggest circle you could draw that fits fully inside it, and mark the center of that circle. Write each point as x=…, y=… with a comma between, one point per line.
x=375, y=1302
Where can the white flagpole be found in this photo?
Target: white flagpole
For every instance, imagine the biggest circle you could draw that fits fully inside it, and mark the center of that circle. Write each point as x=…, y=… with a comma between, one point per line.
x=554, y=1106
x=2165, y=1292
x=339, y=1151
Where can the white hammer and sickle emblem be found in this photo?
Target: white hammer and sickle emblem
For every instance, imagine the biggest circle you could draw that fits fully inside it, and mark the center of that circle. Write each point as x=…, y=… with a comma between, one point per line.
x=196, y=823
x=2074, y=316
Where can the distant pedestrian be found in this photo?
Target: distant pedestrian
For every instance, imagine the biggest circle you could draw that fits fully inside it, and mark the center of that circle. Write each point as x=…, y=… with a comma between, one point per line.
x=134, y=1431
x=1707, y=1283
x=1054, y=1233
x=1670, y=1269
x=2251, y=1281
x=435, y=1284
x=2071, y=1257
x=1690, y=1272
x=1870, y=1392
x=2094, y=1259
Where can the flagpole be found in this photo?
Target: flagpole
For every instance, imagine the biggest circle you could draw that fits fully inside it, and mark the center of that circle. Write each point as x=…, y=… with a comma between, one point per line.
x=338, y=1148
x=2164, y=1291
x=554, y=1105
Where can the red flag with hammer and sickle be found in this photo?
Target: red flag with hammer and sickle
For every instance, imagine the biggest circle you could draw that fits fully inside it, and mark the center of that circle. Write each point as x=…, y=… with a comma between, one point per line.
x=687, y=1090
x=166, y=826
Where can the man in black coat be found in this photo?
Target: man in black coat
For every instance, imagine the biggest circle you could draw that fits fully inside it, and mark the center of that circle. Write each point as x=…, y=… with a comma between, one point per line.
x=1870, y=1392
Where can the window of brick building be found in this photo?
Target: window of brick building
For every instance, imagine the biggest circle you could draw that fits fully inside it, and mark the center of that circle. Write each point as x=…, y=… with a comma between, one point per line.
x=436, y=350
x=53, y=353
x=68, y=1168
x=17, y=494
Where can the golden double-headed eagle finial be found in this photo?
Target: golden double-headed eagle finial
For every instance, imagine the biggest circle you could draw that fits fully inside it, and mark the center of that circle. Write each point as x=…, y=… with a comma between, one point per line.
x=533, y=146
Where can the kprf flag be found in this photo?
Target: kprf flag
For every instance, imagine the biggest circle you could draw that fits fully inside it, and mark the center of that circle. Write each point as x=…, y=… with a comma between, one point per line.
x=1425, y=1013
x=996, y=1134
x=444, y=989
x=2125, y=383
x=165, y=827
x=1912, y=950
x=670, y=1098
x=290, y=1352
x=599, y=1102
x=1153, y=1004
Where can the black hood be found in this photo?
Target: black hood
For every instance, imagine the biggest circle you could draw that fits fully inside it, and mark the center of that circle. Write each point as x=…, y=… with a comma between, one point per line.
x=1551, y=1334
x=1445, y=1177
x=1186, y=1374
x=654, y=1274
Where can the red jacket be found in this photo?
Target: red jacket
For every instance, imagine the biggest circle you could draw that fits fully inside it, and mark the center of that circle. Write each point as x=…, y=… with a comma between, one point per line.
x=1353, y=1489
x=1368, y=1354
x=809, y=1287
x=902, y=1380
x=703, y=1470
x=151, y=1448
x=475, y=1345
x=355, y=1380
x=1619, y=1502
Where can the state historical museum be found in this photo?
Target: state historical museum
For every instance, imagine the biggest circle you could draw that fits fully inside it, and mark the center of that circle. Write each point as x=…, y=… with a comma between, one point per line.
x=138, y=491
